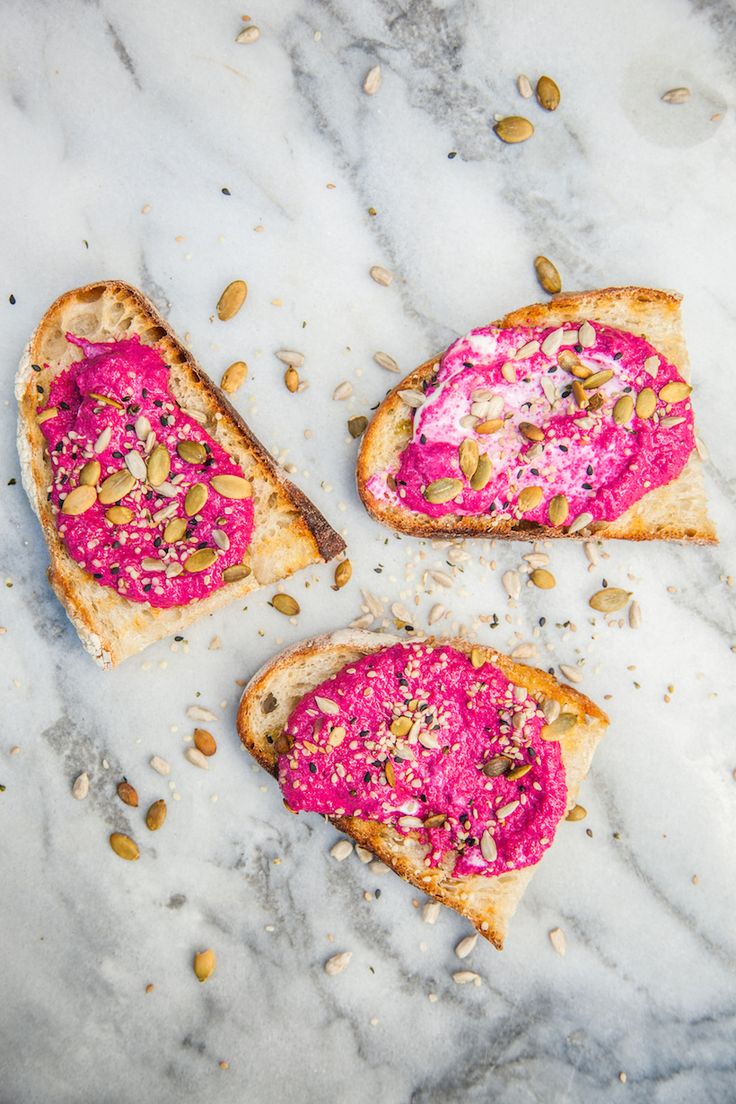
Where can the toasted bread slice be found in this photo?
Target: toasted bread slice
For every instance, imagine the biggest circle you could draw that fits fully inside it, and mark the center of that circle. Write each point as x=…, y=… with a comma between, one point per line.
x=289, y=532
x=676, y=511
x=272, y=694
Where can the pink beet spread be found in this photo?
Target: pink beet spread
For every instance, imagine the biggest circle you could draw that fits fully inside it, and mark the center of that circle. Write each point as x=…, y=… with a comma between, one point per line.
x=460, y=719
x=601, y=467
x=133, y=558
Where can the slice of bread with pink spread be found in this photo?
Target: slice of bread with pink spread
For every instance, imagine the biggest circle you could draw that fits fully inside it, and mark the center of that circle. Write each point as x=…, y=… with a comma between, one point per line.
x=289, y=532
x=675, y=511
x=488, y=902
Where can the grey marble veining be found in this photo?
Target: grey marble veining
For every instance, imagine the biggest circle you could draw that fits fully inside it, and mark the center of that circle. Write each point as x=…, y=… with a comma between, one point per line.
x=109, y=109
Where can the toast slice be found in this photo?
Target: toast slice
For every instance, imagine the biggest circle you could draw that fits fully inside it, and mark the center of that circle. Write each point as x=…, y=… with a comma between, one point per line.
x=274, y=691
x=676, y=511
x=289, y=533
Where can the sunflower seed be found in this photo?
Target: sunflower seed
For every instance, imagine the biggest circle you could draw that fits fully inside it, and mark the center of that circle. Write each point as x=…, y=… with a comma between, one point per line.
x=623, y=410
x=383, y=360
x=195, y=415
x=196, y=497
x=548, y=94
x=651, y=365
x=558, y=941
x=291, y=358
x=512, y=584
x=488, y=848
x=586, y=335
x=591, y=552
x=524, y=85
x=609, y=600
x=381, y=275
x=667, y=423
x=550, y=281
x=558, y=510
x=142, y=427
x=543, y=579
x=343, y=391
x=580, y=522
x=437, y=611
x=635, y=615
x=231, y=486
x=236, y=292
x=148, y=563
x=341, y=850
x=103, y=440
x=428, y=740
x=551, y=709
x=514, y=128
x=530, y=498
x=441, y=578
x=572, y=674
x=248, y=35
x=414, y=399
x=235, y=573
x=465, y=977
x=646, y=403
x=524, y=651
x=173, y=570
x=527, y=350
x=191, y=452
x=221, y=539
x=149, y=442
x=136, y=465
x=410, y=822
x=479, y=408
x=675, y=391
x=285, y=604
x=549, y=389
x=443, y=490
x=508, y=371
x=234, y=376
x=199, y=713
x=578, y=812
x=677, y=96
x=160, y=765
x=201, y=560
x=430, y=912
x=466, y=945
x=563, y=722
x=337, y=963
x=401, y=613
x=124, y=846
x=167, y=490
x=372, y=81
x=507, y=810
x=115, y=487
x=194, y=756
x=79, y=500
x=80, y=788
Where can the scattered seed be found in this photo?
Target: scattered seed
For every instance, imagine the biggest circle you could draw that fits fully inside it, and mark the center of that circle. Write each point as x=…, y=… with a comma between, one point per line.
x=372, y=81
x=291, y=358
x=488, y=848
x=235, y=293
x=556, y=729
x=234, y=376
x=572, y=674
x=381, y=275
x=558, y=941
x=357, y=426
x=156, y=815
x=205, y=742
x=551, y=344
x=542, y=578
x=527, y=350
x=194, y=756
x=415, y=399
x=204, y=963
x=285, y=604
x=191, y=452
x=508, y=371
x=548, y=94
x=549, y=280
x=677, y=96
x=199, y=713
x=518, y=772
x=79, y=500
x=667, y=423
x=248, y=35
x=341, y=849
x=343, y=572
x=482, y=475
x=507, y=810
x=160, y=765
x=337, y=963
x=127, y=794
x=586, y=335
x=80, y=786
x=390, y=773
x=512, y=584
x=651, y=366
x=465, y=977
x=675, y=391
x=524, y=85
x=443, y=490
x=235, y=573
x=513, y=129
x=466, y=945
x=477, y=657
x=609, y=600
x=231, y=486
x=124, y=846
x=580, y=522
x=386, y=361
x=551, y=709
x=437, y=611
x=326, y=706
x=103, y=440
x=635, y=615
x=578, y=812
x=430, y=912
x=343, y=391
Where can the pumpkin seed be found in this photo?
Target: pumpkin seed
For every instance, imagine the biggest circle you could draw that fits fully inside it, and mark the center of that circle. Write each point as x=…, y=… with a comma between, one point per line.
x=675, y=391
x=514, y=128
x=436, y=820
x=578, y=812
x=357, y=426
x=646, y=403
x=119, y=515
x=491, y=426
x=191, y=452
x=235, y=573
x=524, y=85
x=386, y=361
x=200, y=560
x=285, y=604
x=580, y=522
x=498, y=765
x=443, y=490
x=231, y=300
x=45, y=415
x=488, y=848
x=559, y=727
x=530, y=431
x=381, y=275
x=116, y=486
x=159, y=466
x=343, y=571
x=390, y=773
x=477, y=657
x=231, y=486
x=549, y=281
x=401, y=726
x=623, y=410
x=124, y=846
x=468, y=456
x=609, y=600
x=542, y=578
x=234, y=376
x=89, y=474
x=372, y=81
x=79, y=500
x=205, y=961
x=586, y=335
x=482, y=474
x=127, y=794
x=548, y=94
x=597, y=379
x=530, y=498
x=156, y=815
x=677, y=96
x=518, y=772
x=558, y=510
x=175, y=530
x=195, y=499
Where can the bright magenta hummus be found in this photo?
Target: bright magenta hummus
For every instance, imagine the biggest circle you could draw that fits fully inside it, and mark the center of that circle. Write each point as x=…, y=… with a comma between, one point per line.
x=418, y=738
x=585, y=415
x=113, y=426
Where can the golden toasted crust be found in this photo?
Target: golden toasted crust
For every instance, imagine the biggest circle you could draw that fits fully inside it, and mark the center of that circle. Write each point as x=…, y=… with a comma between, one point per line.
x=674, y=512
x=289, y=532
x=274, y=691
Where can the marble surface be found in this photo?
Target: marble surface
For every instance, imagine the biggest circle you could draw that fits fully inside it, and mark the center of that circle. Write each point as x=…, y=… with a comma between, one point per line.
x=121, y=124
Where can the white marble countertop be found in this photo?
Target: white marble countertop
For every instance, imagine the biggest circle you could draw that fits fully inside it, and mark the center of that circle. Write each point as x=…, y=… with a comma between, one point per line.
x=121, y=124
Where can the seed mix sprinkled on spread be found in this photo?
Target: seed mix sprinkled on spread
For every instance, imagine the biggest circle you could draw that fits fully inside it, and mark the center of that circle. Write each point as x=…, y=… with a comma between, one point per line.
x=417, y=737
x=561, y=427
x=147, y=502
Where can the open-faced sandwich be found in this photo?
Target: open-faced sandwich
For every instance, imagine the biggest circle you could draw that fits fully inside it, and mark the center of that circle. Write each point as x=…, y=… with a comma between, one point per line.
x=562, y=419
x=157, y=502
x=448, y=761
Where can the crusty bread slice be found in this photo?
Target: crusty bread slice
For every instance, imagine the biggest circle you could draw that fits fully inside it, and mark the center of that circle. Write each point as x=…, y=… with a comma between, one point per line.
x=674, y=512
x=289, y=532
x=274, y=691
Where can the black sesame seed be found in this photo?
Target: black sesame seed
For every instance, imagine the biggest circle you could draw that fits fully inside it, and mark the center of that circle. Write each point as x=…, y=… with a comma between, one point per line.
x=64, y=405
x=158, y=402
x=144, y=392
x=148, y=496
x=589, y=469
x=118, y=455
x=534, y=471
x=157, y=542
x=97, y=575
x=226, y=191
x=422, y=439
x=617, y=356
x=367, y=777
x=115, y=544
x=587, y=487
x=114, y=570
x=563, y=448
x=147, y=587
x=542, y=621
x=377, y=894
x=11, y=482
x=36, y=367
x=163, y=420
x=312, y=768
x=11, y=300
x=452, y=155
x=179, y=639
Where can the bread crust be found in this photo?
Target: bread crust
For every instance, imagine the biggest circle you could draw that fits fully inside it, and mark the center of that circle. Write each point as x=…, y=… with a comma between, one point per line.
x=112, y=627
x=488, y=903
x=676, y=511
